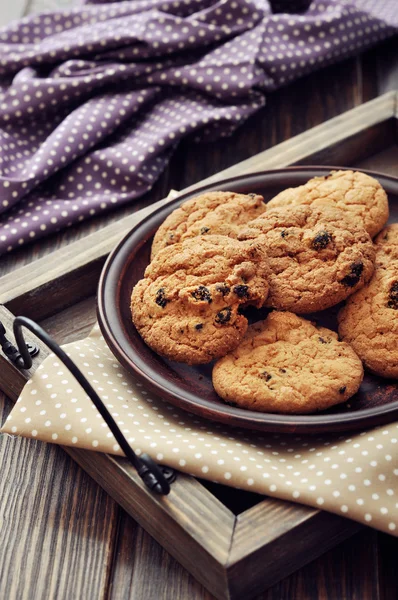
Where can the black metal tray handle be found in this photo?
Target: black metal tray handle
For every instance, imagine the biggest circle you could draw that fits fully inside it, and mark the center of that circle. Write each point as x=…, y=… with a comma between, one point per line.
x=156, y=478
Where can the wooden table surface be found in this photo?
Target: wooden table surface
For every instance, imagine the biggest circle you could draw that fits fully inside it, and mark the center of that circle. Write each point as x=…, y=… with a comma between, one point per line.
x=61, y=536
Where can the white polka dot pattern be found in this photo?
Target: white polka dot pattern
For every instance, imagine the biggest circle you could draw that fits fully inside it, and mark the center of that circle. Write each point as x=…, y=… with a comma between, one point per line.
x=94, y=100
x=353, y=475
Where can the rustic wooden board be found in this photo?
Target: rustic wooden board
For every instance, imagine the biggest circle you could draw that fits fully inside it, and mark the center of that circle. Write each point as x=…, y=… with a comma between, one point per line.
x=245, y=554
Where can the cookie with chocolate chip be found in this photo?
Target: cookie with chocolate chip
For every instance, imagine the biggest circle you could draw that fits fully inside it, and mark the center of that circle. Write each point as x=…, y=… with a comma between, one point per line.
x=212, y=213
x=286, y=364
x=318, y=256
x=354, y=192
x=369, y=320
x=187, y=305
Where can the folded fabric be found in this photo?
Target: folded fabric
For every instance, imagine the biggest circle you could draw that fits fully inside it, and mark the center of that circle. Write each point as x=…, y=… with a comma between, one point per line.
x=352, y=475
x=94, y=100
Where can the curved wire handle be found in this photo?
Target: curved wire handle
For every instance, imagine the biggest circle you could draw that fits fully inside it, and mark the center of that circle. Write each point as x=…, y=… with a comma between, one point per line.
x=155, y=477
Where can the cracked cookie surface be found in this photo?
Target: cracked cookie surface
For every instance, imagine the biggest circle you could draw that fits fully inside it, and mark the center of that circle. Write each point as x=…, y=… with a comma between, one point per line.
x=212, y=213
x=286, y=364
x=353, y=192
x=369, y=320
x=187, y=306
x=318, y=256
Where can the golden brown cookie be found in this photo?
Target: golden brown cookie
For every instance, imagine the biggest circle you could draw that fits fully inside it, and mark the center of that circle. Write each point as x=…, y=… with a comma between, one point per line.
x=353, y=192
x=287, y=365
x=186, y=307
x=213, y=213
x=387, y=244
x=369, y=320
x=318, y=256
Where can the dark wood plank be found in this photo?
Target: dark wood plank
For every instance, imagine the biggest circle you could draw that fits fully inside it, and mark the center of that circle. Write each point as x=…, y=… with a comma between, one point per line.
x=387, y=566
x=383, y=63
x=83, y=316
x=57, y=526
x=259, y=547
x=385, y=161
x=190, y=523
x=143, y=569
x=348, y=572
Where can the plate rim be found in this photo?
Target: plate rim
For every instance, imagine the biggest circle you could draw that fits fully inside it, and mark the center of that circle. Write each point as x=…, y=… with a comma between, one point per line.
x=230, y=415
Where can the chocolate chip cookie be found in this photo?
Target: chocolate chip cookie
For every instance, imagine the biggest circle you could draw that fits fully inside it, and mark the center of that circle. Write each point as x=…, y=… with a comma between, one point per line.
x=286, y=364
x=369, y=320
x=358, y=194
x=213, y=213
x=318, y=256
x=187, y=306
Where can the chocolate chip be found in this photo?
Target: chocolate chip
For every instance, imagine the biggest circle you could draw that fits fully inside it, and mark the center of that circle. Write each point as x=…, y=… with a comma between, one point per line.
x=181, y=331
x=323, y=341
x=204, y=230
x=342, y=389
x=224, y=315
x=242, y=291
x=393, y=296
x=224, y=289
x=202, y=293
x=252, y=195
x=199, y=326
x=171, y=236
x=161, y=299
x=265, y=375
x=282, y=370
x=321, y=240
x=354, y=276
x=284, y=234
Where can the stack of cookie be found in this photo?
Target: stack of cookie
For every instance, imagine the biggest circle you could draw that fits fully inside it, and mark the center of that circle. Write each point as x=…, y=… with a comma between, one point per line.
x=306, y=250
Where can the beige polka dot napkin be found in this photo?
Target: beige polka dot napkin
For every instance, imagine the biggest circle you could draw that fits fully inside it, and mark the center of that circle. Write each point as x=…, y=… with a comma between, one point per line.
x=355, y=475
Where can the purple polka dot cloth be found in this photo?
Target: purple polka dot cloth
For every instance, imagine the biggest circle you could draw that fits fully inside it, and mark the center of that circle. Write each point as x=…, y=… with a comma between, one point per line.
x=95, y=99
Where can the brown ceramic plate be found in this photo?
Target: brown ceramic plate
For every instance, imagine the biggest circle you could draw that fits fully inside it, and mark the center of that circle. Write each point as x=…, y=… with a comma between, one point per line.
x=190, y=388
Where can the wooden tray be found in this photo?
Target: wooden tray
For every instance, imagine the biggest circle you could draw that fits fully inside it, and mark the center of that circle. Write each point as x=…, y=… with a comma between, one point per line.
x=234, y=542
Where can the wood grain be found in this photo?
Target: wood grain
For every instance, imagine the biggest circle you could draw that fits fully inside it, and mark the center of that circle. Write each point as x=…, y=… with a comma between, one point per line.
x=141, y=568
x=262, y=543
x=348, y=572
x=57, y=527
